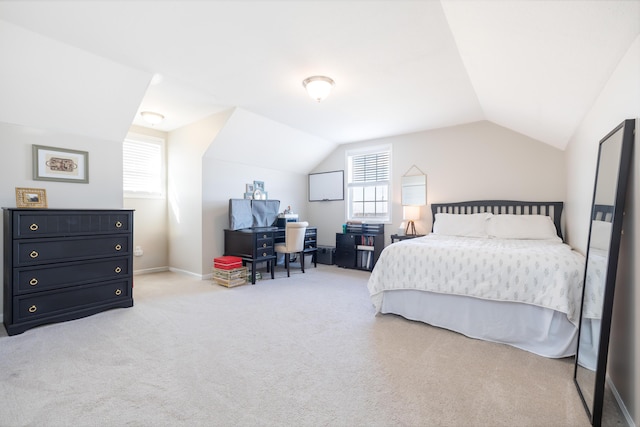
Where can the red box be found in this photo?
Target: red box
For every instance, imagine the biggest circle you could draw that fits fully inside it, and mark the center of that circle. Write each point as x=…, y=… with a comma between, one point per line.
x=227, y=262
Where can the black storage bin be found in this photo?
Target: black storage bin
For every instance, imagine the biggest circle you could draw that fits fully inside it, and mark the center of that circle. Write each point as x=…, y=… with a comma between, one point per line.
x=325, y=255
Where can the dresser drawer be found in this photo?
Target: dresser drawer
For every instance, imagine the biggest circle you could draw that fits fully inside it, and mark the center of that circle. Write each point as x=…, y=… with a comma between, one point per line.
x=34, y=279
x=49, y=224
x=42, y=251
x=262, y=253
x=264, y=244
x=50, y=303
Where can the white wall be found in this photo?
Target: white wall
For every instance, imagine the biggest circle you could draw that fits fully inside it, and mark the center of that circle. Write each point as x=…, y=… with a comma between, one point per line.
x=224, y=180
x=104, y=190
x=210, y=162
x=468, y=162
x=619, y=100
x=185, y=150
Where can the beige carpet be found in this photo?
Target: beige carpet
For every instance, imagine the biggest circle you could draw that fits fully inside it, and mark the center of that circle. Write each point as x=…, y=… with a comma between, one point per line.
x=301, y=351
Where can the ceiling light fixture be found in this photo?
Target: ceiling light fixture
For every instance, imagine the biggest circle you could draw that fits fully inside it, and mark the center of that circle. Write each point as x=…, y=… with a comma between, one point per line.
x=152, y=118
x=318, y=87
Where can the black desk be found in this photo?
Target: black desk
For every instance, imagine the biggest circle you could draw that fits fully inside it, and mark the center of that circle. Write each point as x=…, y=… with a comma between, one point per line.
x=255, y=245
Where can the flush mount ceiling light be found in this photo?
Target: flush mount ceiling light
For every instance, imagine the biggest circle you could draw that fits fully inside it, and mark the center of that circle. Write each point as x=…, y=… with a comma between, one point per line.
x=318, y=87
x=152, y=118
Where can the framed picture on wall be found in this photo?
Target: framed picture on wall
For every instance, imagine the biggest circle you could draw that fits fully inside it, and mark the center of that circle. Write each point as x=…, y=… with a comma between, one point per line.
x=60, y=164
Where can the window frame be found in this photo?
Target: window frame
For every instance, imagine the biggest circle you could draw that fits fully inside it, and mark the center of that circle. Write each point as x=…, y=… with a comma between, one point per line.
x=147, y=139
x=349, y=196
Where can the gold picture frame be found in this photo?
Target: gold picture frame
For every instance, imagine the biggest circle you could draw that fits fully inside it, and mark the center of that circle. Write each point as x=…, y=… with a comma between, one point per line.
x=31, y=197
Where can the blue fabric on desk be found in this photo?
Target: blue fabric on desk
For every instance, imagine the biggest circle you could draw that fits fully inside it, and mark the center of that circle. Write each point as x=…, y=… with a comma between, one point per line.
x=246, y=213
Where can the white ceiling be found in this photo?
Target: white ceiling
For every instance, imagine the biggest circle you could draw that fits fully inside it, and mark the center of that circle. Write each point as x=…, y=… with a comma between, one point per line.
x=399, y=66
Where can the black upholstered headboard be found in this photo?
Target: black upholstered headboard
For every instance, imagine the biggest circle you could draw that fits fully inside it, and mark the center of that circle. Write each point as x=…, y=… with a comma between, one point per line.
x=496, y=207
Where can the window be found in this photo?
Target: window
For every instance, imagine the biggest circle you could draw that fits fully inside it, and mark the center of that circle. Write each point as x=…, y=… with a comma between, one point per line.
x=143, y=166
x=368, y=184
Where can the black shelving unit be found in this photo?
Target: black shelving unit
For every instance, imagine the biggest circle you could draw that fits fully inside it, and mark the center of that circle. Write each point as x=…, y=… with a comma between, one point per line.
x=360, y=246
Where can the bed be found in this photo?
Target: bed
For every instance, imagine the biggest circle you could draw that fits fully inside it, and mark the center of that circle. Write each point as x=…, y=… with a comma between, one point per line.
x=492, y=270
x=595, y=280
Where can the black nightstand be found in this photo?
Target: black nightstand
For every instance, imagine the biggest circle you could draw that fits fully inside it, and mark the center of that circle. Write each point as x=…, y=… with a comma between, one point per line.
x=395, y=237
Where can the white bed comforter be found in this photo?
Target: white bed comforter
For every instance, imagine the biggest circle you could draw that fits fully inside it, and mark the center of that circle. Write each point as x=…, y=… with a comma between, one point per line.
x=539, y=272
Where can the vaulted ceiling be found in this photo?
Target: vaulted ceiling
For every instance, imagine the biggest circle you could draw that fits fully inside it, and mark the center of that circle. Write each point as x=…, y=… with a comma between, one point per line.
x=399, y=66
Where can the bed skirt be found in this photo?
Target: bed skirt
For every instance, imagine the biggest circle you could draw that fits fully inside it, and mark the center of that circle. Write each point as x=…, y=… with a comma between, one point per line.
x=539, y=330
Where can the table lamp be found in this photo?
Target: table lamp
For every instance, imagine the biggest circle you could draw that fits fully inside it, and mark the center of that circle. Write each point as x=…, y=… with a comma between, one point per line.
x=410, y=214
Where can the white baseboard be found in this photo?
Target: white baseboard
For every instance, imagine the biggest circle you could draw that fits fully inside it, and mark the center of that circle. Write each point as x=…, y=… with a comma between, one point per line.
x=190, y=273
x=150, y=270
x=620, y=403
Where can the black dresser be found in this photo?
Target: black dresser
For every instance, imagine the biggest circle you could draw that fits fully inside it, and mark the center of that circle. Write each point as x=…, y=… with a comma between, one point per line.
x=65, y=264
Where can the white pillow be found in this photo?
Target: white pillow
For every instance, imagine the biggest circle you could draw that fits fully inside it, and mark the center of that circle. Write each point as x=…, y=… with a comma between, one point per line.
x=527, y=227
x=600, y=235
x=466, y=225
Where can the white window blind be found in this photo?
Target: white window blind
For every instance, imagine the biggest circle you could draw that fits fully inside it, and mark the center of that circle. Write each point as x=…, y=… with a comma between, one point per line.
x=143, y=167
x=368, y=185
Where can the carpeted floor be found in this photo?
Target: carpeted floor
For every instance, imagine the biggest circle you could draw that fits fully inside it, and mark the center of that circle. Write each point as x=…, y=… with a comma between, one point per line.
x=300, y=351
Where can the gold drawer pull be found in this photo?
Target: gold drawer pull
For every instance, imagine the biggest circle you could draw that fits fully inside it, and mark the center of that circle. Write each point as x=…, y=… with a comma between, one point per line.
x=118, y=224
x=118, y=270
x=33, y=309
x=33, y=254
x=33, y=281
x=264, y=245
x=264, y=254
x=264, y=236
x=118, y=292
x=33, y=227
x=118, y=247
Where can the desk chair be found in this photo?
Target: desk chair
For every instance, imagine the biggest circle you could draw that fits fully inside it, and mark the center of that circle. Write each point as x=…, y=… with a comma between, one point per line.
x=293, y=243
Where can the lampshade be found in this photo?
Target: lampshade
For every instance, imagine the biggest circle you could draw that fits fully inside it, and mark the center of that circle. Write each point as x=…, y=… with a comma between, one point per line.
x=318, y=87
x=411, y=213
x=152, y=118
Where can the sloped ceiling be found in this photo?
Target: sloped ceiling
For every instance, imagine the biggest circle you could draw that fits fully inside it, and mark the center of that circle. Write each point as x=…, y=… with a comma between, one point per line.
x=400, y=66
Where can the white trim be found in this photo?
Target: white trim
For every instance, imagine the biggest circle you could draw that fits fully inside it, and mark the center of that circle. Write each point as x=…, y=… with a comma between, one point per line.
x=188, y=273
x=620, y=402
x=150, y=270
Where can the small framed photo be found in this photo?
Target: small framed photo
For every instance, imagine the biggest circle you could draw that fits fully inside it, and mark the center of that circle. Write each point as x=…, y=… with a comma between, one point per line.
x=248, y=196
x=31, y=197
x=249, y=188
x=60, y=164
x=258, y=185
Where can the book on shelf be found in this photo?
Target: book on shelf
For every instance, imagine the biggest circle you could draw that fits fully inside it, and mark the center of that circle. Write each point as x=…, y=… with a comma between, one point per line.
x=365, y=259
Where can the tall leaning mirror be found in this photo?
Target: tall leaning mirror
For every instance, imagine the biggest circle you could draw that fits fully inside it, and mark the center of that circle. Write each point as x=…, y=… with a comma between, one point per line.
x=612, y=172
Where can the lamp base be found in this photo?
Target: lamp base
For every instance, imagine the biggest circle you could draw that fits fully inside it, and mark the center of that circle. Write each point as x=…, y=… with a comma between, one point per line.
x=411, y=229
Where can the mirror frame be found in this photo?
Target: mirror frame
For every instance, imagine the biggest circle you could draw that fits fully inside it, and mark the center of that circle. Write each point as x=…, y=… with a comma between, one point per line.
x=594, y=410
